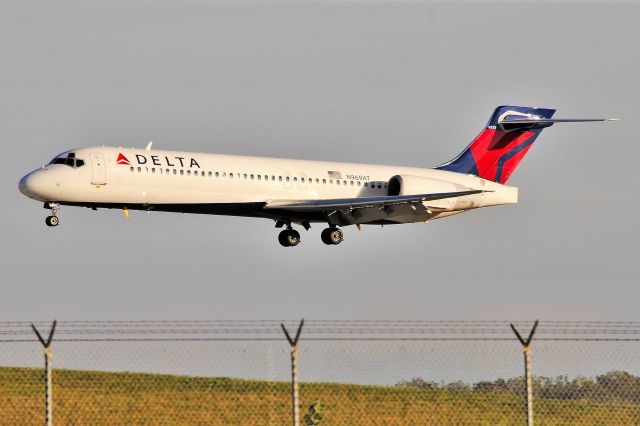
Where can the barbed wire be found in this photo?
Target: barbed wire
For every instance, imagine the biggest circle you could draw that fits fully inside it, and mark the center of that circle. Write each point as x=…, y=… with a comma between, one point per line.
x=329, y=330
x=329, y=339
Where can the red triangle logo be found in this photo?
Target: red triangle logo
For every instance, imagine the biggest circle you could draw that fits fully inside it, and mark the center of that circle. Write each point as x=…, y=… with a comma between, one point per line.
x=122, y=160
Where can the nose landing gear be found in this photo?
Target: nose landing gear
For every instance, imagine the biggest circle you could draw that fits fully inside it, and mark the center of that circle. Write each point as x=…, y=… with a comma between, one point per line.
x=53, y=219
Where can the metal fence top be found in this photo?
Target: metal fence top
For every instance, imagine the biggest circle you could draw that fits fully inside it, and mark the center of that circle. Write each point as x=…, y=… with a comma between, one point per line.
x=320, y=330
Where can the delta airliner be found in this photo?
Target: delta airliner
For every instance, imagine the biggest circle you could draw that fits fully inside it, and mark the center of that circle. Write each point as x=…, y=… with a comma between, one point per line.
x=293, y=192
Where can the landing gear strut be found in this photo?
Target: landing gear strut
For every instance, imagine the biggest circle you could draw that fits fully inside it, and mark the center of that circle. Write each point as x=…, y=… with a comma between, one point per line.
x=53, y=219
x=289, y=238
x=331, y=236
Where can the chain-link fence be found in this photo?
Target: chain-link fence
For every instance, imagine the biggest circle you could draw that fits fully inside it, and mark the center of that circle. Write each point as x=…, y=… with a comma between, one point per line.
x=350, y=373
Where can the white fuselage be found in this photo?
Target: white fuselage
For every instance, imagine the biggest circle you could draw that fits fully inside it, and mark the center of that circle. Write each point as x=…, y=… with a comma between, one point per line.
x=239, y=185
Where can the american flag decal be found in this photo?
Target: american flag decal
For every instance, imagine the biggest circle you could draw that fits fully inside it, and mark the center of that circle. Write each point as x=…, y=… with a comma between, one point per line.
x=334, y=174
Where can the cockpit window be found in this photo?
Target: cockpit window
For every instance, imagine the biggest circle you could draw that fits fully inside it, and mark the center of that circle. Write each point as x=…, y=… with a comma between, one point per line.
x=69, y=160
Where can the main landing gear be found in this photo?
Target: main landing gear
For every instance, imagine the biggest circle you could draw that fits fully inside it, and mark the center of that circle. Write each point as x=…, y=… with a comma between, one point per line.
x=331, y=236
x=53, y=219
x=289, y=238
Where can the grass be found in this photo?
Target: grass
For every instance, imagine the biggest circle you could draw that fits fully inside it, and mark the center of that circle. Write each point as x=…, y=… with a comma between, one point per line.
x=98, y=398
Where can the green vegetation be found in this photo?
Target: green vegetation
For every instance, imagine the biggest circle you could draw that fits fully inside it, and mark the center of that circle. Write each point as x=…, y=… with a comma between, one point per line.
x=96, y=398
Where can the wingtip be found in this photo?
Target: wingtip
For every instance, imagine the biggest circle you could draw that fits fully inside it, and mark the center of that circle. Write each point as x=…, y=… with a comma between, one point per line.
x=612, y=119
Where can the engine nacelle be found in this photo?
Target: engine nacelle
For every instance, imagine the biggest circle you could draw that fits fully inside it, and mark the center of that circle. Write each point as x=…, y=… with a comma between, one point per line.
x=411, y=185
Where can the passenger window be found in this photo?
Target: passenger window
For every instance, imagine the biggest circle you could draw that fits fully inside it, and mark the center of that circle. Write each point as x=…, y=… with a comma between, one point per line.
x=330, y=181
x=175, y=171
x=217, y=174
x=153, y=170
x=279, y=178
x=139, y=169
x=181, y=172
x=259, y=177
x=324, y=181
x=131, y=169
x=230, y=175
x=379, y=186
x=188, y=172
x=288, y=179
x=359, y=183
x=302, y=180
x=351, y=183
x=344, y=182
x=295, y=179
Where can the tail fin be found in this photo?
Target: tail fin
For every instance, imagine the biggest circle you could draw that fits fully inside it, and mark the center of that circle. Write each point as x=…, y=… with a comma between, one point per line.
x=496, y=152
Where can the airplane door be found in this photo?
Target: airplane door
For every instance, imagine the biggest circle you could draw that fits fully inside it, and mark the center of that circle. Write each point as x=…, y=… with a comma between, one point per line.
x=99, y=169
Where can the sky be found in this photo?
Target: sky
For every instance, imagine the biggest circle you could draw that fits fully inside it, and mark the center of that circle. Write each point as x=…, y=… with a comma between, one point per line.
x=396, y=83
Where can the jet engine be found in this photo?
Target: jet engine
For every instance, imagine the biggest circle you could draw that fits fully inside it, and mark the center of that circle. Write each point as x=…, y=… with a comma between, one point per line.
x=412, y=185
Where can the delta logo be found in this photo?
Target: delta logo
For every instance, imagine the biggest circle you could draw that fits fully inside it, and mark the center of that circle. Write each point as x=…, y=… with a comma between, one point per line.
x=122, y=160
x=156, y=160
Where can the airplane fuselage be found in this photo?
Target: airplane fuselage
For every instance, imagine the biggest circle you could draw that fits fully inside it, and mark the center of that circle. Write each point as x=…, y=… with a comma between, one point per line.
x=203, y=183
x=295, y=191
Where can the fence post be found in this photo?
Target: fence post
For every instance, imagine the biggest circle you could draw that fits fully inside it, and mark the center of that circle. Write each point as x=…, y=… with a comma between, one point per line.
x=48, y=401
x=527, y=369
x=294, y=372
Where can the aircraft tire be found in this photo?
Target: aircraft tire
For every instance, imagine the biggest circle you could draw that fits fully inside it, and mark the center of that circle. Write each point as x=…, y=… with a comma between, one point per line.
x=331, y=236
x=52, y=221
x=289, y=238
x=326, y=238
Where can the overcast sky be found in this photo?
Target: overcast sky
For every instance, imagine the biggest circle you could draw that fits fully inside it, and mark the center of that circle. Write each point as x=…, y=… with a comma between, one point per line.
x=405, y=83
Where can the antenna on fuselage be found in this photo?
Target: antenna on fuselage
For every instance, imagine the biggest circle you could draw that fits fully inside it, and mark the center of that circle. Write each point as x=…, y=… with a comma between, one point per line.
x=148, y=148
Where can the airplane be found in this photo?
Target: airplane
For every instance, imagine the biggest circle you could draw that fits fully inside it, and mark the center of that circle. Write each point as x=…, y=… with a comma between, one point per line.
x=294, y=191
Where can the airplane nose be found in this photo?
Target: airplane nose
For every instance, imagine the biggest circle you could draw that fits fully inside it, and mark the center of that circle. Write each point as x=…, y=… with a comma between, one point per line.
x=35, y=185
x=24, y=185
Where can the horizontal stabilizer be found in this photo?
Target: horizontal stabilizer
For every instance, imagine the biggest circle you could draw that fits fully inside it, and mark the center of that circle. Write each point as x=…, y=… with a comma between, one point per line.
x=509, y=121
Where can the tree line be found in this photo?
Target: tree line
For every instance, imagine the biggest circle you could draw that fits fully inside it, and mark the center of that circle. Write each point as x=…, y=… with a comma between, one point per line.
x=611, y=387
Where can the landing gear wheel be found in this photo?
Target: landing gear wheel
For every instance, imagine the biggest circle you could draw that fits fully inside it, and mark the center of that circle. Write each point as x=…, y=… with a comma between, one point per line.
x=52, y=221
x=289, y=238
x=331, y=236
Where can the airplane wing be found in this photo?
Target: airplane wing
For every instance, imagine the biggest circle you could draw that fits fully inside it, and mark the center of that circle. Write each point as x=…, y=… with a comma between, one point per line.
x=366, y=209
x=359, y=203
